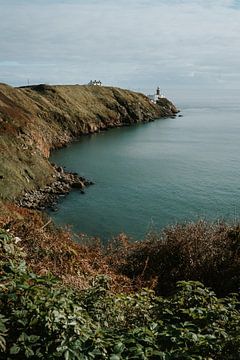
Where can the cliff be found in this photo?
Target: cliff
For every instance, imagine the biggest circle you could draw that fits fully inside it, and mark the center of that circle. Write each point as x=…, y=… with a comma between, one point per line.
x=36, y=119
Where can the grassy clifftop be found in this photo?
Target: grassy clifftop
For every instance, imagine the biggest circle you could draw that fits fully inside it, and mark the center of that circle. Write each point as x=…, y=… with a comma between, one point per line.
x=36, y=119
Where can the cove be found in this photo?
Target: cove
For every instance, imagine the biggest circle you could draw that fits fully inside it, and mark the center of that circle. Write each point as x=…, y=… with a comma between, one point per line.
x=151, y=175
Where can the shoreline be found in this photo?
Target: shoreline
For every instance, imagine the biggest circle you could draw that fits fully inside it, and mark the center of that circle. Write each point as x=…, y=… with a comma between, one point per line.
x=38, y=119
x=48, y=196
x=64, y=181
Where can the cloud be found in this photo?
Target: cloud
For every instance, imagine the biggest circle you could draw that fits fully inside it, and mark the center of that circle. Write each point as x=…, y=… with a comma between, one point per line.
x=134, y=43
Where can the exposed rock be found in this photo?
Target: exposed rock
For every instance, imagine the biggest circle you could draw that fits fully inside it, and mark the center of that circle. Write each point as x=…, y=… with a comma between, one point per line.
x=167, y=107
x=48, y=196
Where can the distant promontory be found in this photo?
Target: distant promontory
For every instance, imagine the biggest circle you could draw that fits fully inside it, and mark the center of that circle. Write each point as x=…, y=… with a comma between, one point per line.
x=37, y=119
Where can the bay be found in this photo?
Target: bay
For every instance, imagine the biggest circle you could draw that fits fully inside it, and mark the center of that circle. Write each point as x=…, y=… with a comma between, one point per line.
x=151, y=175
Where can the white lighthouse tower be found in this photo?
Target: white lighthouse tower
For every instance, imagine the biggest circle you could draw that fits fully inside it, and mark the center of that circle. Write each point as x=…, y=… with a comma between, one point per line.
x=154, y=98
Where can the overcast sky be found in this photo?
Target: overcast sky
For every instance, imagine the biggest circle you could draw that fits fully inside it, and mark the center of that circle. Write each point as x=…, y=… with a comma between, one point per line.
x=135, y=44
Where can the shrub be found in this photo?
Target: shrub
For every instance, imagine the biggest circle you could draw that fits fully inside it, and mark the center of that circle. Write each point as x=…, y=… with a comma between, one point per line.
x=42, y=319
x=202, y=251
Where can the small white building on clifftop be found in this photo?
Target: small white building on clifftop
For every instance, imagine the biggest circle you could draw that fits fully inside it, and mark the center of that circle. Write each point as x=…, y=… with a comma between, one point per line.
x=95, y=82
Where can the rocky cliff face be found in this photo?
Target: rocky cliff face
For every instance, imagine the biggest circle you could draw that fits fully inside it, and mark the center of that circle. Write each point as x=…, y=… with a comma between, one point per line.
x=36, y=119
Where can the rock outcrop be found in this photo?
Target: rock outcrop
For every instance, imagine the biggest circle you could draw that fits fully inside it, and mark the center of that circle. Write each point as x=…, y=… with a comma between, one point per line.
x=47, y=196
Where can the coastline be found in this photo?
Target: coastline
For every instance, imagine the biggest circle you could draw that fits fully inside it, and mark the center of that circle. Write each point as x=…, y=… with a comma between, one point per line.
x=38, y=119
x=48, y=196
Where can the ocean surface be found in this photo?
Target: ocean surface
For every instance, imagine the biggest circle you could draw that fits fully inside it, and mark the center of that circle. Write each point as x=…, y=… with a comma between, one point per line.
x=151, y=175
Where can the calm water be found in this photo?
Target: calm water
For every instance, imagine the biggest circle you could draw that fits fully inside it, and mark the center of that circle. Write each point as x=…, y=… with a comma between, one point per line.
x=151, y=175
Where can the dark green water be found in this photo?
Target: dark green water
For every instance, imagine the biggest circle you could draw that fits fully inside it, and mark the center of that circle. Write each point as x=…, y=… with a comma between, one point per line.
x=156, y=174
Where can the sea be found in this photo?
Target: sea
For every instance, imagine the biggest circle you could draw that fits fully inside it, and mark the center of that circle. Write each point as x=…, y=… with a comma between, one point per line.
x=149, y=176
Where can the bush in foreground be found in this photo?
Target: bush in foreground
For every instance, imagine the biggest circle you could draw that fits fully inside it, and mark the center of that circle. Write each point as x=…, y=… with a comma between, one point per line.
x=201, y=251
x=41, y=319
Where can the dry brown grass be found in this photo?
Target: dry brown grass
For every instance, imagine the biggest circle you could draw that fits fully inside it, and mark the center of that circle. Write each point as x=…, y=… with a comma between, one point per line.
x=207, y=252
x=49, y=249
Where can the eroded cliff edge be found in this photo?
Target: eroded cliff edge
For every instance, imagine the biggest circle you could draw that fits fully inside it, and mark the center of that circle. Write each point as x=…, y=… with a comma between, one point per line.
x=36, y=119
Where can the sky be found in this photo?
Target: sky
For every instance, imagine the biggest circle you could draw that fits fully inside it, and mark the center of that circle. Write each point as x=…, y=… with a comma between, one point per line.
x=136, y=44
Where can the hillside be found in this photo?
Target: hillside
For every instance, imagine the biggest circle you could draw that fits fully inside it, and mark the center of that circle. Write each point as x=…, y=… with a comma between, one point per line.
x=36, y=119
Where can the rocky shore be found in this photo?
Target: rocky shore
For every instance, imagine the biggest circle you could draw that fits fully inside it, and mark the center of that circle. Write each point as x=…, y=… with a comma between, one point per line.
x=47, y=196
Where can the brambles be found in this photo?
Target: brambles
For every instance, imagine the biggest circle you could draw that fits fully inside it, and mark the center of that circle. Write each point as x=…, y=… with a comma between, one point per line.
x=202, y=251
x=42, y=319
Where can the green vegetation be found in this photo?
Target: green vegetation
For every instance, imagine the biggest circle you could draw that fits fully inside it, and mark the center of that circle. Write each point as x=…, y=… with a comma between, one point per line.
x=42, y=319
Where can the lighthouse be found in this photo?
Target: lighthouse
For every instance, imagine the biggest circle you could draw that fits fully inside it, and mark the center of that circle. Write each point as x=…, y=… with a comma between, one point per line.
x=154, y=98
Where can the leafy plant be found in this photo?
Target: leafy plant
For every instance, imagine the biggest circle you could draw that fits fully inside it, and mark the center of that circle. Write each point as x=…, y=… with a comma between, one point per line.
x=42, y=319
